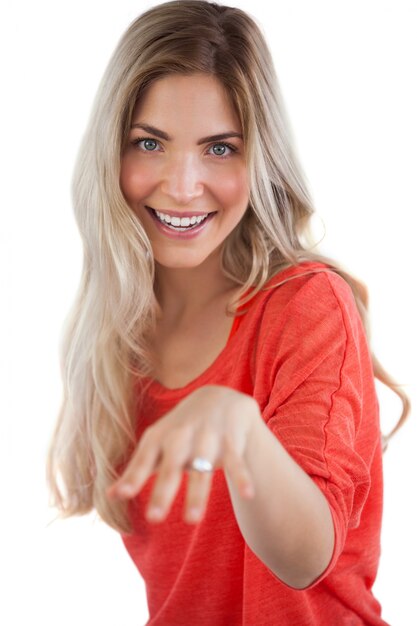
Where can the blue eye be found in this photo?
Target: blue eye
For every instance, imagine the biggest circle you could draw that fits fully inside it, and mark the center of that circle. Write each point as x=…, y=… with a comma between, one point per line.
x=220, y=149
x=149, y=145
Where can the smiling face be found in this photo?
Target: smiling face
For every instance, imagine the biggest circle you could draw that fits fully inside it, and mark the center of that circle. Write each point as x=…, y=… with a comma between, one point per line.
x=185, y=158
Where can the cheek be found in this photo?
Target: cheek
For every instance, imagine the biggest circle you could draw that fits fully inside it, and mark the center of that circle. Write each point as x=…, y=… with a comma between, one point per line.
x=135, y=182
x=232, y=187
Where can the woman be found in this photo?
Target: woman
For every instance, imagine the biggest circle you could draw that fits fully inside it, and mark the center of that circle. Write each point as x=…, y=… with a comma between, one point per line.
x=214, y=366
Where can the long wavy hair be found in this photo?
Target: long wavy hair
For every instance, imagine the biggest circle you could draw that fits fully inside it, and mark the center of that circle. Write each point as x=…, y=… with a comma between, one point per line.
x=104, y=349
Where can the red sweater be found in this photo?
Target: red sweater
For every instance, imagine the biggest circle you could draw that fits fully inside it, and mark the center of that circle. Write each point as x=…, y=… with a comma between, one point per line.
x=302, y=353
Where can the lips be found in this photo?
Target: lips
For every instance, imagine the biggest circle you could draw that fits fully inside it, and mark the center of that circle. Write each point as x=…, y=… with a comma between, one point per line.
x=181, y=234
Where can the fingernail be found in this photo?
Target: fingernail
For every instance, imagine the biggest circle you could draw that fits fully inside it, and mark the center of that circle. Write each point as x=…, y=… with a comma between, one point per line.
x=154, y=512
x=248, y=491
x=194, y=513
x=125, y=489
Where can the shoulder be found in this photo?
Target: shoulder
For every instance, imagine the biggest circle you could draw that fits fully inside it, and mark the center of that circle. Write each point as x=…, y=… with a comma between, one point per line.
x=314, y=324
x=317, y=307
x=308, y=285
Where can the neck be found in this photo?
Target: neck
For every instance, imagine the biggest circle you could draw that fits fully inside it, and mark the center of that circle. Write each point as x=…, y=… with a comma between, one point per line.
x=184, y=292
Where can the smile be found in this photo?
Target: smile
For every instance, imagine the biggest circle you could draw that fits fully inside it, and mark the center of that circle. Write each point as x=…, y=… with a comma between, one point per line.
x=183, y=222
x=184, y=227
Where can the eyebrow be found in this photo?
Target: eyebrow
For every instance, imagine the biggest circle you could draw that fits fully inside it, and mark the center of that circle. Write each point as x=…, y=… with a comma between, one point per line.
x=162, y=135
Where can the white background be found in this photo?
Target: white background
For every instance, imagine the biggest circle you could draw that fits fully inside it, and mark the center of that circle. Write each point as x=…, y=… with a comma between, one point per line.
x=347, y=72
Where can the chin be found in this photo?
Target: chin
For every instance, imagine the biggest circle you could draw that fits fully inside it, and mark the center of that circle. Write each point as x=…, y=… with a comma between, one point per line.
x=179, y=263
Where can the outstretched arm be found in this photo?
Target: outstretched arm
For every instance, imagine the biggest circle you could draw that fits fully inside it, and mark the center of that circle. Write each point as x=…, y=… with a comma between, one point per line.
x=288, y=523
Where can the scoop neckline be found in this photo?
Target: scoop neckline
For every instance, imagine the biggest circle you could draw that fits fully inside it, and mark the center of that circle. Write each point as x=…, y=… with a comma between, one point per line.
x=156, y=388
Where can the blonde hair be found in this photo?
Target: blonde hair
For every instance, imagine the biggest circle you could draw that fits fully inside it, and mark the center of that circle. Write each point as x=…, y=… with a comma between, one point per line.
x=104, y=348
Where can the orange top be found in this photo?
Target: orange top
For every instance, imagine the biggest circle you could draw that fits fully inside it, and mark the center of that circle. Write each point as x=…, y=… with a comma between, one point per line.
x=302, y=353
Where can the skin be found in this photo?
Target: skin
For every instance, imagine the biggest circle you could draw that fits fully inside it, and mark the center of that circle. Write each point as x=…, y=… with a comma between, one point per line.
x=184, y=174
x=213, y=422
x=284, y=517
x=181, y=175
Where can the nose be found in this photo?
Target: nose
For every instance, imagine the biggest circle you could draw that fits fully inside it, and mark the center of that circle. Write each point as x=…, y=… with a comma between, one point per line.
x=182, y=179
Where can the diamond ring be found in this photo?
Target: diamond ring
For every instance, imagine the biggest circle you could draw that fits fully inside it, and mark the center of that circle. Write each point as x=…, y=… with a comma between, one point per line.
x=200, y=465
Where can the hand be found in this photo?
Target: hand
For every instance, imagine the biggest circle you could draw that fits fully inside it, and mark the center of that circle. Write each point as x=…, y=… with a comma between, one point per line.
x=213, y=422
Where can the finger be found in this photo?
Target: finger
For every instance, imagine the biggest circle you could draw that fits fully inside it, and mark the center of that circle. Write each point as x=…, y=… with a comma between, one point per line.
x=207, y=446
x=142, y=465
x=165, y=489
x=198, y=491
x=239, y=472
x=174, y=455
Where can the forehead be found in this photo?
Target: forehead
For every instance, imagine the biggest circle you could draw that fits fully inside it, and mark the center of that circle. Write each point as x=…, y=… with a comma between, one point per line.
x=180, y=99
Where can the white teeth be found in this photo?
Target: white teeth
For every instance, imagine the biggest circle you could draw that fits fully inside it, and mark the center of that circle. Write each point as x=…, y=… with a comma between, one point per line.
x=183, y=221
